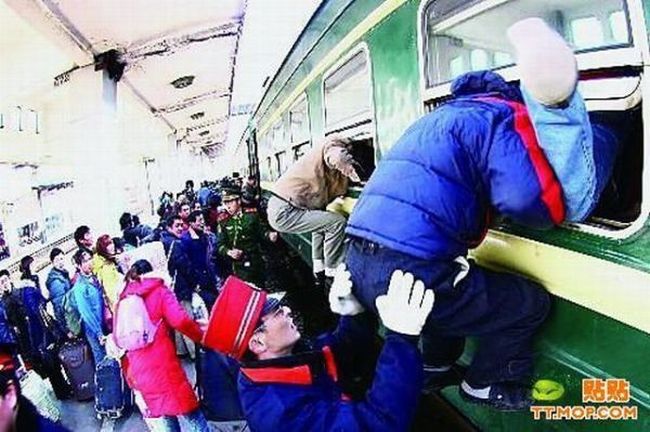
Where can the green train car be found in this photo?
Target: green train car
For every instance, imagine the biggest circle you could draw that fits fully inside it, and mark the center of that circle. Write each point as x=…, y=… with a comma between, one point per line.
x=367, y=69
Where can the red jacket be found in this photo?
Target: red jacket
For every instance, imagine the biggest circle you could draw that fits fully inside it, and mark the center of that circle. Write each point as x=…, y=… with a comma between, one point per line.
x=155, y=371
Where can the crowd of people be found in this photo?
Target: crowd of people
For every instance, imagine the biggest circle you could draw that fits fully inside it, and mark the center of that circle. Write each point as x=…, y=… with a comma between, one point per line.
x=499, y=148
x=206, y=235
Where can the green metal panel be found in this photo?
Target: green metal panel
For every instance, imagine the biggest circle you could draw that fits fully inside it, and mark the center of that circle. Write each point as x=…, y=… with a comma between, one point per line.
x=315, y=95
x=576, y=343
x=395, y=75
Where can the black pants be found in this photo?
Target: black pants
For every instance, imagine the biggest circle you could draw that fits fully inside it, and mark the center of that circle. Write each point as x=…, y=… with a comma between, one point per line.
x=502, y=310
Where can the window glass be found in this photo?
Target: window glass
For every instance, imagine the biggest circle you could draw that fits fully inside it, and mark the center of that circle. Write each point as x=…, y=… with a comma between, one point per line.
x=587, y=32
x=480, y=42
x=281, y=159
x=269, y=168
x=277, y=135
x=618, y=26
x=348, y=93
x=32, y=121
x=299, y=122
x=17, y=119
x=479, y=59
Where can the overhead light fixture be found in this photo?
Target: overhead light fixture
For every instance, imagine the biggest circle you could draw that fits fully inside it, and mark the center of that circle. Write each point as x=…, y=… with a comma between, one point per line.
x=182, y=82
x=197, y=115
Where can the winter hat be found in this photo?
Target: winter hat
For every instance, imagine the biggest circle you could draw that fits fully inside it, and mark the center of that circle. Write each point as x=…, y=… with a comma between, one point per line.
x=235, y=316
x=547, y=66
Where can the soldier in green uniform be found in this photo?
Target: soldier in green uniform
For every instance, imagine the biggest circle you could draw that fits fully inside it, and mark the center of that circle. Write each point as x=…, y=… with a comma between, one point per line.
x=241, y=237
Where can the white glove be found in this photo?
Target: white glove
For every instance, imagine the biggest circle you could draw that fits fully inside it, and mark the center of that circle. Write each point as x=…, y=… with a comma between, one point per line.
x=406, y=306
x=341, y=299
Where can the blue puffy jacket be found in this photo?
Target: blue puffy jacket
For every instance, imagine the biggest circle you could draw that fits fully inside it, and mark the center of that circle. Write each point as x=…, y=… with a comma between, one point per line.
x=302, y=392
x=442, y=179
x=58, y=284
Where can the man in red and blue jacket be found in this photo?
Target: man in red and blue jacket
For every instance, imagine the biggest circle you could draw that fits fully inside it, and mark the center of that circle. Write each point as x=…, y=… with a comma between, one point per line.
x=475, y=156
x=284, y=387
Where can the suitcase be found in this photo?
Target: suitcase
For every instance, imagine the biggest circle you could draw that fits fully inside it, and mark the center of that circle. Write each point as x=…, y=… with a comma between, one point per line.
x=112, y=396
x=36, y=390
x=78, y=365
x=55, y=372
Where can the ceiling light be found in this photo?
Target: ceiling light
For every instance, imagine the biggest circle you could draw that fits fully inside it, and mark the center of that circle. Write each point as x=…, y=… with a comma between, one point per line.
x=182, y=82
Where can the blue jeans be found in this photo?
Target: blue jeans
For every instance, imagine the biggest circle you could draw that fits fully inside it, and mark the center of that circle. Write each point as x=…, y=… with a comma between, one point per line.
x=502, y=310
x=193, y=422
x=98, y=350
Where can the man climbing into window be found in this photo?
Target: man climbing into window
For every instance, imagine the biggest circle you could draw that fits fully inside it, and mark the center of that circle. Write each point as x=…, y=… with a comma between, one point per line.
x=530, y=154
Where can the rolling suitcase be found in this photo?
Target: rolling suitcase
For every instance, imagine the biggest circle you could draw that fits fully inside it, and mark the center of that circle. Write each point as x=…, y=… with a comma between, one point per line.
x=55, y=372
x=78, y=365
x=112, y=396
x=36, y=390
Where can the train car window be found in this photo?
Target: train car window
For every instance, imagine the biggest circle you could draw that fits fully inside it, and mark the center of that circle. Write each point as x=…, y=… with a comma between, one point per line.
x=611, y=79
x=32, y=121
x=278, y=139
x=364, y=155
x=299, y=122
x=282, y=162
x=348, y=93
x=456, y=45
x=620, y=202
x=17, y=119
x=269, y=169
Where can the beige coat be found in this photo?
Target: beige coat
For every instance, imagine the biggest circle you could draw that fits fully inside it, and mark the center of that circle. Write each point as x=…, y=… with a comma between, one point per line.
x=319, y=176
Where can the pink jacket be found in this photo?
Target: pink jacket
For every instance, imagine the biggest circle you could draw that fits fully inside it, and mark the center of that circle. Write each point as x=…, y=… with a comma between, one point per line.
x=155, y=371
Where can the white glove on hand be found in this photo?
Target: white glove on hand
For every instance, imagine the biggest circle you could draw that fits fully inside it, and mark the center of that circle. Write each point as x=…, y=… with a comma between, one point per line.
x=406, y=306
x=341, y=299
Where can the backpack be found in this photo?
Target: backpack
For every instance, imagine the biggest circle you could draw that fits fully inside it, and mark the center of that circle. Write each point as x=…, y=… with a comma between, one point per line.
x=132, y=326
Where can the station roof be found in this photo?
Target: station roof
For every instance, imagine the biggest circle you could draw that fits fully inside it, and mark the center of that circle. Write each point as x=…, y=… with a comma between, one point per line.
x=179, y=55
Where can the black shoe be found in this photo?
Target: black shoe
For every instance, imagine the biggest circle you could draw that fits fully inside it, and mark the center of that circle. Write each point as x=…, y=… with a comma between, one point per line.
x=436, y=381
x=506, y=396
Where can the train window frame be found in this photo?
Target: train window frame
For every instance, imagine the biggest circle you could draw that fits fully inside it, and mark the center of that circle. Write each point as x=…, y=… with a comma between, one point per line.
x=590, y=60
x=360, y=125
x=462, y=11
x=300, y=140
x=281, y=162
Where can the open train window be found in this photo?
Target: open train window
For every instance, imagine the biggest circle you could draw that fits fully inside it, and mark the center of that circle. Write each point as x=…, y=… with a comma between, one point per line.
x=457, y=37
x=299, y=122
x=349, y=111
x=462, y=36
x=364, y=155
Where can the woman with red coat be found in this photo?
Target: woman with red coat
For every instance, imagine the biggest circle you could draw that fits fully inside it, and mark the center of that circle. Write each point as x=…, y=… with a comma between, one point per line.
x=154, y=370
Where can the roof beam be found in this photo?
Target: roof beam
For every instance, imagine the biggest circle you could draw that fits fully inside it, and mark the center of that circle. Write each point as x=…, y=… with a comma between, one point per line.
x=170, y=45
x=186, y=103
